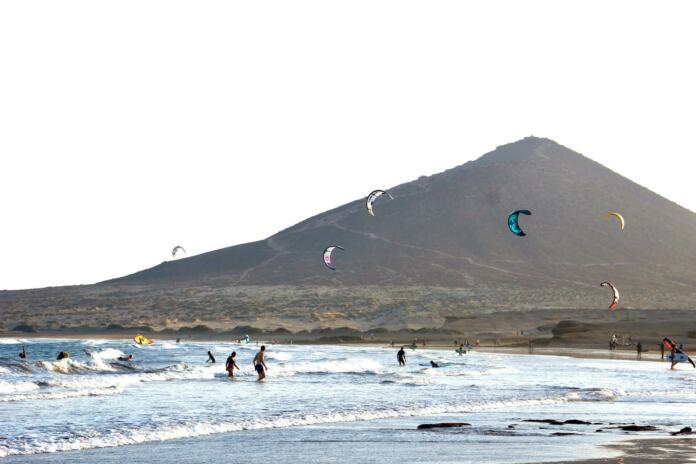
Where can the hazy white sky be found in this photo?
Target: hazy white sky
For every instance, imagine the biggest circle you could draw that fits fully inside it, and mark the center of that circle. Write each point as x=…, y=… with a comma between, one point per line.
x=129, y=127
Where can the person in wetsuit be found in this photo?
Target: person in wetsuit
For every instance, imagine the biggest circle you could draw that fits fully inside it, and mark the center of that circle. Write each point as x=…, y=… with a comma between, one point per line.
x=128, y=358
x=433, y=364
x=401, y=357
x=211, y=358
x=62, y=355
x=23, y=354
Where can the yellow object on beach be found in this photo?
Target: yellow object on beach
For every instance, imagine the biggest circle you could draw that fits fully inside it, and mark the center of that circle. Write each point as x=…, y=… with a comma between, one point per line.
x=142, y=340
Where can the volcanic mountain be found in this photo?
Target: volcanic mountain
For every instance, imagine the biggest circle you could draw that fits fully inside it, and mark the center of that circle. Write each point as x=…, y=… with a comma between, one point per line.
x=449, y=229
x=440, y=247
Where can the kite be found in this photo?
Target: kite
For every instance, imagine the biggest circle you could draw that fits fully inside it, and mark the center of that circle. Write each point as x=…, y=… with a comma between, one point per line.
x=372, y=197
x=513, y=221
x=177, y=249
x=618, y=216
x=327, y=256
x=615, y=302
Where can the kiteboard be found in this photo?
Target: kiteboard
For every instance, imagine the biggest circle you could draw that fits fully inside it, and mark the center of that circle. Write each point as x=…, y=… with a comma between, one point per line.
x=678, y=357
x=438, y=365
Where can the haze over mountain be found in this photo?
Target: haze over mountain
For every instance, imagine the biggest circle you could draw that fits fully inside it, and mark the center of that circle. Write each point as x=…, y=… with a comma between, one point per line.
x=439, y=248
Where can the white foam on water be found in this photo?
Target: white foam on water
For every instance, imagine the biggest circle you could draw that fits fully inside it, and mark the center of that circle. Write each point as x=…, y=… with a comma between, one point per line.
x=279, y=356
x=129, y=436
x=344, y=366
x=60, y=395
x=64, y=366
x=16, y=387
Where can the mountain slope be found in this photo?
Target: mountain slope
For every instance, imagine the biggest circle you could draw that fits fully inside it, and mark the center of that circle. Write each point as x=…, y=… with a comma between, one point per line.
x=450, y=230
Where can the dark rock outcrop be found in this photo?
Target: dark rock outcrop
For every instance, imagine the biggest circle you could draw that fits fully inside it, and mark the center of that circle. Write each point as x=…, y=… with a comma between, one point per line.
x=442, y=425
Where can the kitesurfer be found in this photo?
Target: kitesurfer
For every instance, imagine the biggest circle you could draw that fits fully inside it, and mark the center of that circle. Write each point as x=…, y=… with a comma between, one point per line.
x=673, y=351
x=211, y=358
x=23, y=354
x=433, y=364
x=401, y=357
x=260, y=364
x=231, y=364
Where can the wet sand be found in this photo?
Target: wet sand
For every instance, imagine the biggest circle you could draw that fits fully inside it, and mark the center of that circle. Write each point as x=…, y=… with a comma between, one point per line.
x=665, y=451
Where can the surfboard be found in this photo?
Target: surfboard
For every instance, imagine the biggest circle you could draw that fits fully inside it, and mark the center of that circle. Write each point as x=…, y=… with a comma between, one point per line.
x=678, y=357
x=438, y=365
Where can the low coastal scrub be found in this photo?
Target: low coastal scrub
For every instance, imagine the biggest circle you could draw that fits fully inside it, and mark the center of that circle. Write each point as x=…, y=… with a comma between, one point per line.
x=24, y=328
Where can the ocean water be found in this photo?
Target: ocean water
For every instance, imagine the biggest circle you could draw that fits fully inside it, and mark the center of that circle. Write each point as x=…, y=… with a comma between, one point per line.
x=328, y=395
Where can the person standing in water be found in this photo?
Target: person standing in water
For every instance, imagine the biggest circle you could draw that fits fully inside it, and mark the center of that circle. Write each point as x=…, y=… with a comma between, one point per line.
x=401, y=357
x=639, y=350
x=461, y=349
x=211, y=358
x=231, y=364
x=260, y=363
x=662, y=350
x=23, y=354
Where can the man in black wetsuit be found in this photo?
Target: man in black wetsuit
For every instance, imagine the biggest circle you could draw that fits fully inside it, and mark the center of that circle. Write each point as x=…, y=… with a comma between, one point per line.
x=211, y=358
x=23, y=354
x=401, y=357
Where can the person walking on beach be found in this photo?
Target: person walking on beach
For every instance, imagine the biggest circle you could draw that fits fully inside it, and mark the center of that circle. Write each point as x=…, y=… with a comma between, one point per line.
x=231, y=364
x=211, y=358
x=23, y=354
x=401, y=357
x=260, y=364
x=639, y=350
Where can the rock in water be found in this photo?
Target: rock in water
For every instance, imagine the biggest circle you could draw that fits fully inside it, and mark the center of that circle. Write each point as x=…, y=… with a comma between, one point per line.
x=638, y=428
x=442, y=425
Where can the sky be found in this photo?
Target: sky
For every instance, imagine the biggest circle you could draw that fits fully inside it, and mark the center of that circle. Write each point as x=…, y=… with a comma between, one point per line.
x=129, y=127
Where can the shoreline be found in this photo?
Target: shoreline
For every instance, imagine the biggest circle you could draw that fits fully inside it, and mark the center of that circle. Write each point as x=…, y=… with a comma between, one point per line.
x=633, y=446
x=668, y=450
x=580, y=351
